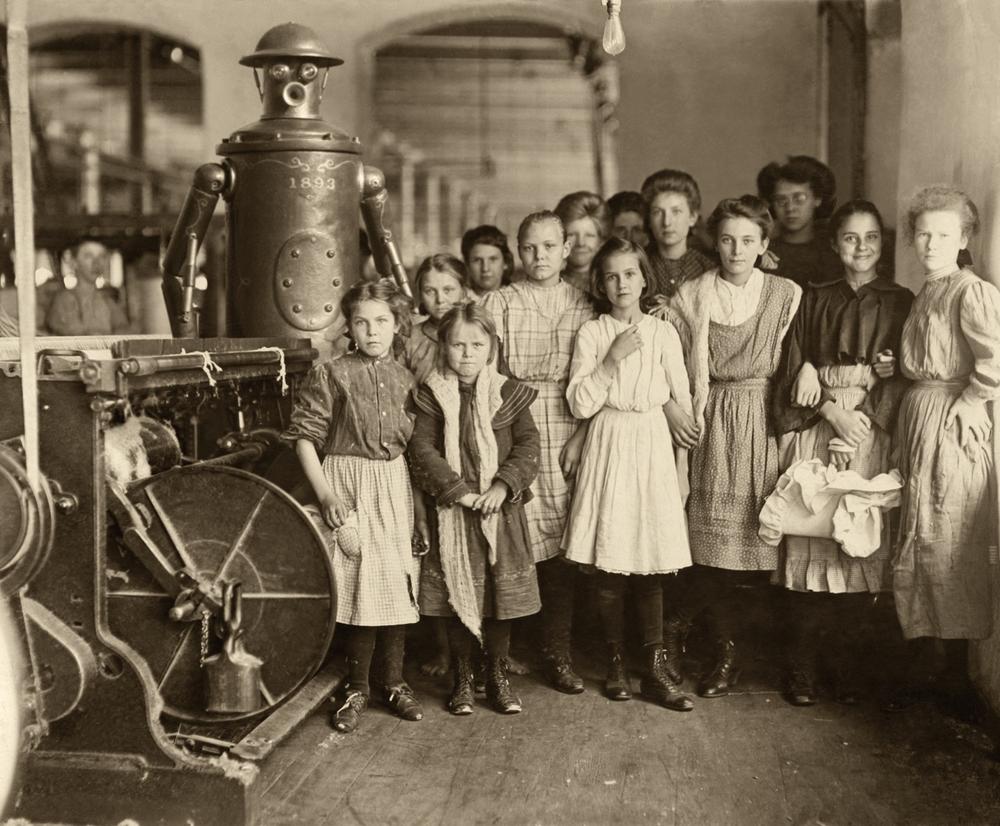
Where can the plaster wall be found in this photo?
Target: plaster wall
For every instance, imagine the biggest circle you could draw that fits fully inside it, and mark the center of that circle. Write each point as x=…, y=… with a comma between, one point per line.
x=717, y=87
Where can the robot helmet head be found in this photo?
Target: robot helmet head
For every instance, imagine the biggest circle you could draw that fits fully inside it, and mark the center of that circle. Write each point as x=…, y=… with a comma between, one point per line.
x=290, y=57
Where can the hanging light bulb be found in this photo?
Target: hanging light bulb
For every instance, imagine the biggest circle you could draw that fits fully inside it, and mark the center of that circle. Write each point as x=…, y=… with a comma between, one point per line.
x=614, y=35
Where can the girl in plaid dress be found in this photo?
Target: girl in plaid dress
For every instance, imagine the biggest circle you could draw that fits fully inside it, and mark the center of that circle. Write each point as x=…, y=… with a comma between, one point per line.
x=353, y=412
x=537, y=320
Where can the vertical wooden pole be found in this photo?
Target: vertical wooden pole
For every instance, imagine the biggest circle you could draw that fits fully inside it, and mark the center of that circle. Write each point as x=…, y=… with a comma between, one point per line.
x=24, y=226
x=823, y=82
x=433, y=212
x=407, y=205
x=137, y=59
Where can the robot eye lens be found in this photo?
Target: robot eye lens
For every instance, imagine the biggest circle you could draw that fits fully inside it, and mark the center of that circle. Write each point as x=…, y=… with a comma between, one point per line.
x=307, y=72
x=279, y=71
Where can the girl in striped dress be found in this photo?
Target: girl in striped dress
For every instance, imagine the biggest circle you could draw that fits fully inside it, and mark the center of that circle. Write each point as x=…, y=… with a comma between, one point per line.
x=352, y=411
x=537, y=320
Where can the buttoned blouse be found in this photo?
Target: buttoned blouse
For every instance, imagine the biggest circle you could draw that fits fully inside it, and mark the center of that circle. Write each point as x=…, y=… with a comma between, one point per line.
x=953, y=333
x=646, y=378
x=355, y=405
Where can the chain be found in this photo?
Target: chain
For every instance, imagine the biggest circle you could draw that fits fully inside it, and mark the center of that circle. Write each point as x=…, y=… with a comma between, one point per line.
x=205, y=617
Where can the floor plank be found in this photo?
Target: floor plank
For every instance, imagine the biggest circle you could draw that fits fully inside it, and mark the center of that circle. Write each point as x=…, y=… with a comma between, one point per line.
x=744, y=759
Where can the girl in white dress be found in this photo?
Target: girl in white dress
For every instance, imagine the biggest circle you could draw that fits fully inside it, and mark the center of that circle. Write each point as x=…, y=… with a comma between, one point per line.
x=627, y=516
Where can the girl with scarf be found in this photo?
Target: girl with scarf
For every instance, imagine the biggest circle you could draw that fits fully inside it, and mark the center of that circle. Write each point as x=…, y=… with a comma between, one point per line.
x=474, y=453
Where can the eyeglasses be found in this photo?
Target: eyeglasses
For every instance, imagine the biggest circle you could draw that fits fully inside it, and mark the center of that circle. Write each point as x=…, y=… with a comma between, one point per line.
x=797, y=198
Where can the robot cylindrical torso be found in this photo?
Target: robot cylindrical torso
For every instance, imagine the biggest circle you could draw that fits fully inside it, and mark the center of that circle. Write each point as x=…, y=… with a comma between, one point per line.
x=292, y=222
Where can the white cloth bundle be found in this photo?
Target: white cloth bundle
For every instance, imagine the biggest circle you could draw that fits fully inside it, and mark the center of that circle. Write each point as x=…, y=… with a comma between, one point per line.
x=813, y=499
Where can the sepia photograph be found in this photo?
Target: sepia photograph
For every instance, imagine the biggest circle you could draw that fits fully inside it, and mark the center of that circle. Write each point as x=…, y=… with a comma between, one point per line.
x=502, y=412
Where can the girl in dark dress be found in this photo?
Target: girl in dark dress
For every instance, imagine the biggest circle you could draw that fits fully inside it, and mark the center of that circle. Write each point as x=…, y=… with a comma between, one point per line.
x=801, y=194
x=838, y=378
x=473, y=454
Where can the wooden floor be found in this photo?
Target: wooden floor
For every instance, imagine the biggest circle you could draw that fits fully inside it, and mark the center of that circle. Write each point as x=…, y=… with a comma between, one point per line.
x=744, y=759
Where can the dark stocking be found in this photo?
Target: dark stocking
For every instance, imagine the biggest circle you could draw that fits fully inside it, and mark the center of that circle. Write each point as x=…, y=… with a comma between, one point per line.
x=649, y=605
x=360, y=647
x=555, y=583
x=392, y=639
x=496, y=636
x=611, y=605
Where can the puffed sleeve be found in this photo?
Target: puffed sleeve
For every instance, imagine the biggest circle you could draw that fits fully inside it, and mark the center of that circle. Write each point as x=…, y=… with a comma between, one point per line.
x=979, y=318
x=312, y=412
x=589, y=379
x=520, y=467
x=496, y=305
x=428, y=467
x=672, y=361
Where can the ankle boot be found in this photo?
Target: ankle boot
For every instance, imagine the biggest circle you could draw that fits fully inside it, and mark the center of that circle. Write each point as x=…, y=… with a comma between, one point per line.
x=657, y=685
x=722, y=676
x=801, y=689
x=616, y=685
x=674, y=632
x=462, y=700
x=498, y=690
x=801, y=686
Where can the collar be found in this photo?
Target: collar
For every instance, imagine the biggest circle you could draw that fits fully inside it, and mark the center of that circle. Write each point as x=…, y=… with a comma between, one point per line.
x=878, y=284
x=755, y=280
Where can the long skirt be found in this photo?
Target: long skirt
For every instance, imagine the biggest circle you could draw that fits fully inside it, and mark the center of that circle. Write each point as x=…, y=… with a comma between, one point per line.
x=627, y=515
x=379, y=585
x=549, y=507
x=733, y=470
x=942, y=567
x=812, y=564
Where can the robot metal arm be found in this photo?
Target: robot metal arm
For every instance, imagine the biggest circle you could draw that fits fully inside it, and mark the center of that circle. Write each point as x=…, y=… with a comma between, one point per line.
x=374, y=202
x=211, y=180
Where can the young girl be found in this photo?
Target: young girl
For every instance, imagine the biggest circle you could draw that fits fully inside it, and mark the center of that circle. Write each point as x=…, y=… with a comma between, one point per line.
x=838, y=378
x=440, y=283
x=732, y=321
x=474, y=453
x=674, y=203
x=802, y=194
x=488, y=258
x=951, y=351
x=352, y=412
x=587, y=222
x=627, y=516
x=629, y=217
x=537, y=320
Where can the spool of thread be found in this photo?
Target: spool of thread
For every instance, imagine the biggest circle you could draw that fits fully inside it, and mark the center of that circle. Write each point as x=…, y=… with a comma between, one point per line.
x=138, y=448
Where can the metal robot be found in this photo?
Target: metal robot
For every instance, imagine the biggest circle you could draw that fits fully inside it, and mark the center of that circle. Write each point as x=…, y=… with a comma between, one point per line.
x=293, y=185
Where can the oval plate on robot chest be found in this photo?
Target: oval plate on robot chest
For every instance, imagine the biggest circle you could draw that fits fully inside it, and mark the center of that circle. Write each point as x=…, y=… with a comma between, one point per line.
x=307, y=281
